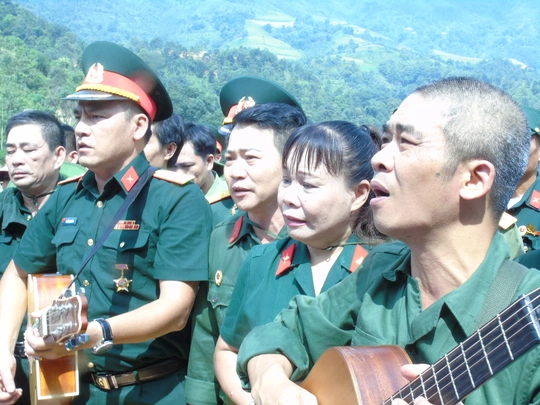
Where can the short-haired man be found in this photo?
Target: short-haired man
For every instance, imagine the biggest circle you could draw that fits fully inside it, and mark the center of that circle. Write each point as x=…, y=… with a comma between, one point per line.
x=140, y=293
x=35, y=152
x=166, y=142
x=197, y=159
x=253, y=174
x=453, y=153
x=72, y=155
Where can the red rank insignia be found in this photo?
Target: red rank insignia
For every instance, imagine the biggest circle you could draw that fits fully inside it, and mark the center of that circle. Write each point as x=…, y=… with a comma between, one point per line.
x=359, y=254
x=127, y=225
x=286, y=260
x=236, y=229
x=130, y=178
x=535, y=199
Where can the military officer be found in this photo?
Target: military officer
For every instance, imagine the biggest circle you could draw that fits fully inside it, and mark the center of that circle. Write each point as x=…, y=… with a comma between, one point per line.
x=198, y=159
x=141, y=283
x=441, y=183
x=525, y=203
x=253, y=173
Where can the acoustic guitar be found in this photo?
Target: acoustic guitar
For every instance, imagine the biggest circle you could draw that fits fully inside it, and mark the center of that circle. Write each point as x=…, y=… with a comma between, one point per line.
x=55, y=381
x=347, y=375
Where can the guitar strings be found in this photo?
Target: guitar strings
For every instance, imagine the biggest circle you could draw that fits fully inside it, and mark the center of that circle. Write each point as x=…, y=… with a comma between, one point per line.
x=492, y=328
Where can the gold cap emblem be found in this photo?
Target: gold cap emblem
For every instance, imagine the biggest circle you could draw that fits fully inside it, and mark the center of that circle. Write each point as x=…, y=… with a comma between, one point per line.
x=95, y=74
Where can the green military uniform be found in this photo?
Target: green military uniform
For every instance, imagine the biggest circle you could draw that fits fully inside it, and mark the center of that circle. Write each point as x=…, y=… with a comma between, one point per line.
x=272, y=275
x=381, y=304
x=163, y=236
x=527, y=212
x=511, y=235
x=230, y=244
x=220, y=200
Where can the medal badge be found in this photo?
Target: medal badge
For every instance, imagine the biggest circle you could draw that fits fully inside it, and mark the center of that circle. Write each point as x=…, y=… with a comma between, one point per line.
x=122, y=283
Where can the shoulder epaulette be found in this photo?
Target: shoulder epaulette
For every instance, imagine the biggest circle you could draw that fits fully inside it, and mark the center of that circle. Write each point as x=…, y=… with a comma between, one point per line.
x=507, y=221
x=218, y=197
x=172, y=177
x=71, y=179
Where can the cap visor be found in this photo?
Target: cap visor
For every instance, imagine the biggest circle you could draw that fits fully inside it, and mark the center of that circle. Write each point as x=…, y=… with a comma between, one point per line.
x=93, y=95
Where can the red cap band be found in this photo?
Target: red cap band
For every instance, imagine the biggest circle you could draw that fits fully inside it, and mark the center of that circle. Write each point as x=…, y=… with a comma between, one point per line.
x=122, y=86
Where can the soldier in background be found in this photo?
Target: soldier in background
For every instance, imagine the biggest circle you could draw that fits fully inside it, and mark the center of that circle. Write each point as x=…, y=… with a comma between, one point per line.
x=264, y=116
x=167, y=139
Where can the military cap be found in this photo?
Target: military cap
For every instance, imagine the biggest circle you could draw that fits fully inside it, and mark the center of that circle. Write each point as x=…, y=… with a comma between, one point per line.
x=533, y=117
x=245, y=91
x=112, y=72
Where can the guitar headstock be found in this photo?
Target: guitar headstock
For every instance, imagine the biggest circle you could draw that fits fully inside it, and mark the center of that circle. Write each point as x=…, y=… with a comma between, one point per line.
x=66, y=317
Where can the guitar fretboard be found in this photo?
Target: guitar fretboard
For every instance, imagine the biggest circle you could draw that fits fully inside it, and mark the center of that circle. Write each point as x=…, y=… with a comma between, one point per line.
x=499, y=342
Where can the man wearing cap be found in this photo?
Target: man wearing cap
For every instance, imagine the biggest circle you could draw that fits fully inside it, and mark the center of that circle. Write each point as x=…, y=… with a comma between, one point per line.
x=253, y=173
x=197, y=159
x=525, y=203
x=166, y=142
x=139, y=293
x=35, y=151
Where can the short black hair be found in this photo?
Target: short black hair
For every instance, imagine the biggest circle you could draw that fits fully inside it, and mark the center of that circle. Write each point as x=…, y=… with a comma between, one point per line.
x=69, y=132
x=282, y=119
x=202, y=138
x=51, y=128
x=170, y=130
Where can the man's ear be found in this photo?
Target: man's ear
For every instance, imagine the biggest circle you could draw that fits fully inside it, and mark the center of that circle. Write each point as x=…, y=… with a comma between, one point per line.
x=142, y=124
x=170, y=148
x=210, y=161
x=73, y=156
x=478, y=176
x=59, y=156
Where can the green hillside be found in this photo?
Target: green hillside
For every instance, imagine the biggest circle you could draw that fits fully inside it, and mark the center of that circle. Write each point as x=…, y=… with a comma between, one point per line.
x=335, y=68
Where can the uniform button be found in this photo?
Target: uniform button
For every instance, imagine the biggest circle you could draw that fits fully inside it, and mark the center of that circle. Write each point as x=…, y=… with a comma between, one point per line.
x=90, y=242
x=90, y=365
x=99, y=204
x=526, y=249
x=122, y=244
x=29, y=217
x=215, y=299
x=86, y=283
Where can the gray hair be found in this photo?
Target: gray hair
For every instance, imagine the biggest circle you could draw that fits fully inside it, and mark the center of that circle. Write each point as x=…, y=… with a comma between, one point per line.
x=483, y=122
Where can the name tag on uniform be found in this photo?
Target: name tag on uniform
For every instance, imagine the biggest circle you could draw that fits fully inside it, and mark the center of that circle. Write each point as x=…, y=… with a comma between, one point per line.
x=69, y=221
x=127, y=225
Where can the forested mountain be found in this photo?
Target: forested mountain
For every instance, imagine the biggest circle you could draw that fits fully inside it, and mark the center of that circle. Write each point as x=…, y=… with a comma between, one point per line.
x=345, y=59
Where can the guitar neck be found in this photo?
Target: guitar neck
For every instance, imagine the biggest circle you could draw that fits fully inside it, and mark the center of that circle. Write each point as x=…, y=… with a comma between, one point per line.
x=491, y=348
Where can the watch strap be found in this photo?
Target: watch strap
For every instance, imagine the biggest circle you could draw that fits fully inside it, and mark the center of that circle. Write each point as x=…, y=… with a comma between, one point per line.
x=106, y=328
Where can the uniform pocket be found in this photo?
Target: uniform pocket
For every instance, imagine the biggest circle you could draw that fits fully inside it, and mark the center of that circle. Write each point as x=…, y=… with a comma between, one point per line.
x=220, y=298
x=63, y=240
x=131, y=248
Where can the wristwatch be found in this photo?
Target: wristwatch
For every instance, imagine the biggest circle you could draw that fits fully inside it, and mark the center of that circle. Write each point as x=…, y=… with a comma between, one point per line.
x=106, y=343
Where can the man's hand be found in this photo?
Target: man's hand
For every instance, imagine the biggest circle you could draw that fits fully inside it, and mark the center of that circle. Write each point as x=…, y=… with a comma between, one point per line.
x=410, y=372
x=277, y=389
x=8, y=393
x=40, y=348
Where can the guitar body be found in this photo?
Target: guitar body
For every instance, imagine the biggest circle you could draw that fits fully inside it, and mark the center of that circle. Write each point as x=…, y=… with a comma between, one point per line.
x=357, y=375
x=51, y=381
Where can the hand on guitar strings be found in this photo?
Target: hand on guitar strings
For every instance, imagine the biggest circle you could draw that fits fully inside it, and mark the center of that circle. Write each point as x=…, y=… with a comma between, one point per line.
x=40, y=348
x=410, y=372
x=8, y=393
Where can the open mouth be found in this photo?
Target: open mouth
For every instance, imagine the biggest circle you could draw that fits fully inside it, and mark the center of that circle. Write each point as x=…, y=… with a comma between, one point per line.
x=379, y=190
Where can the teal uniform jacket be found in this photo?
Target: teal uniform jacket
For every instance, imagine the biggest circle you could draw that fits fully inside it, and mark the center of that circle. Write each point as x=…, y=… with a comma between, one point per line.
x=164, y=236
x=272, y=275
x=527, y=212
x=230, y=244
x=220, y=200
x=380, y=304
